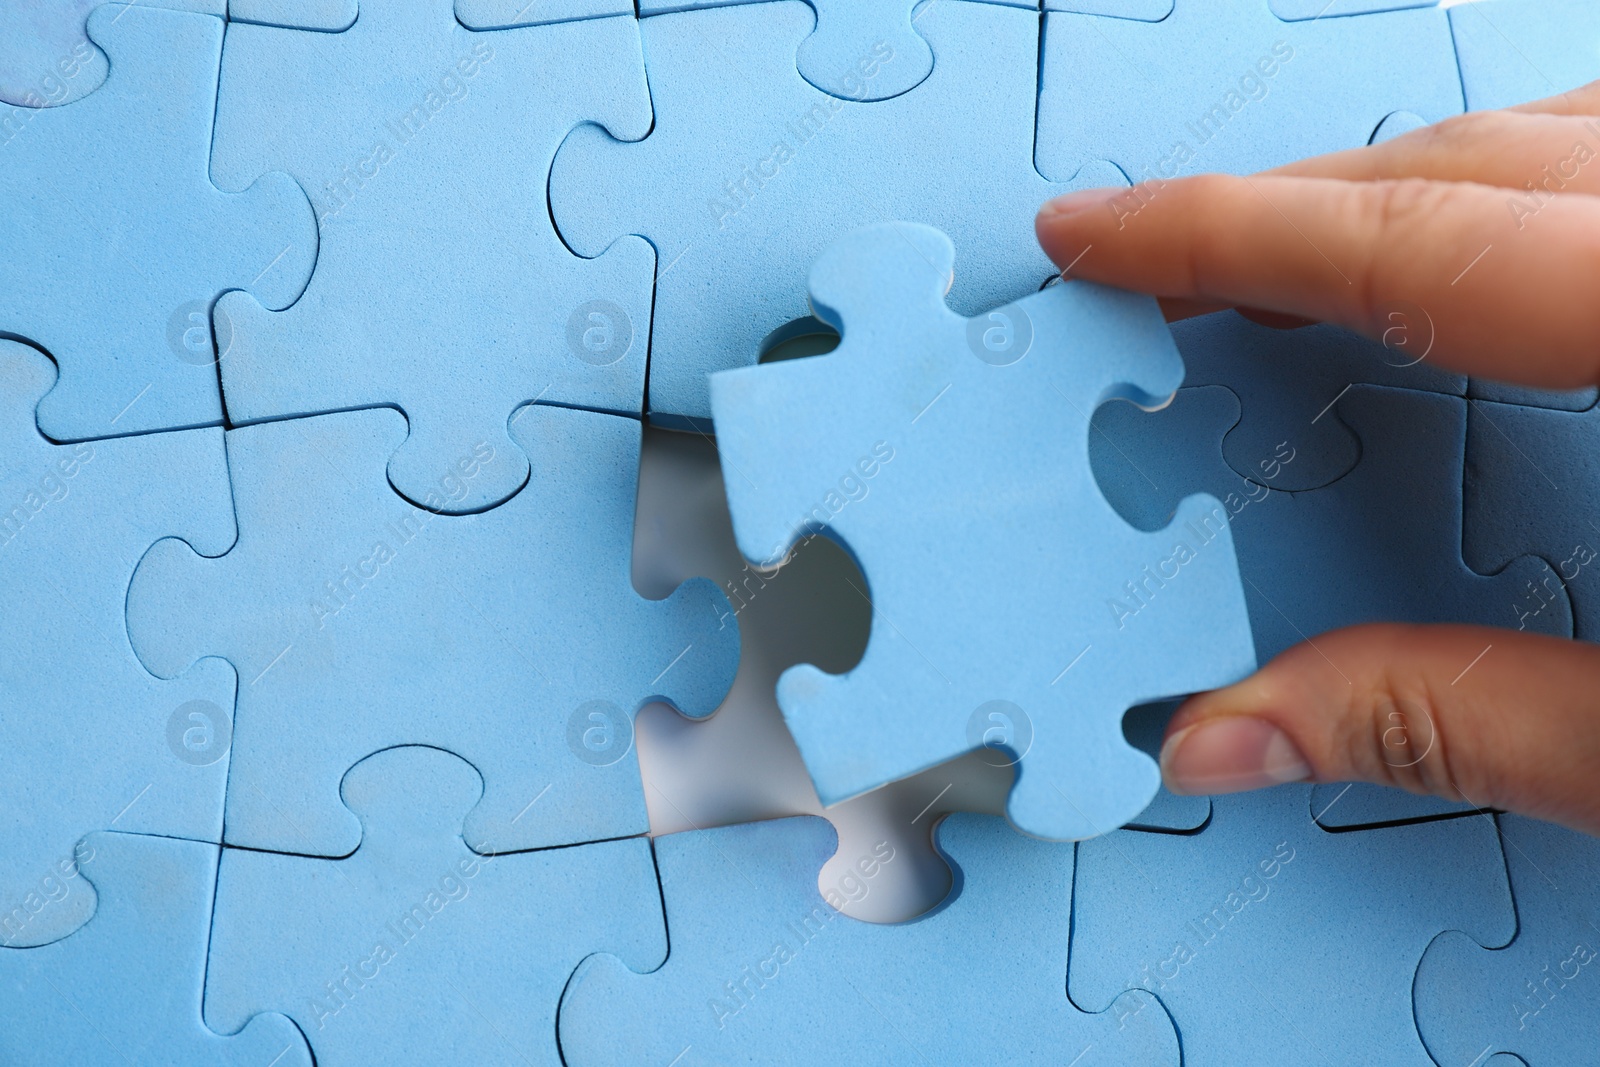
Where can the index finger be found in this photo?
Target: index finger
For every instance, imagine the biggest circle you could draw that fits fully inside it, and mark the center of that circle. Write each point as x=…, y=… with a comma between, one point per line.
x=1507, y=296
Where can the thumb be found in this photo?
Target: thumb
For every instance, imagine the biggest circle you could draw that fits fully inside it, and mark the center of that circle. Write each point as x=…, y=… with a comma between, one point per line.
x=1497, y=718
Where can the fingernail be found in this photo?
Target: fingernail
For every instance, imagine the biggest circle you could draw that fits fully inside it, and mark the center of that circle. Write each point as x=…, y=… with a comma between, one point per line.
x=1075, y=203
x=1230, y=755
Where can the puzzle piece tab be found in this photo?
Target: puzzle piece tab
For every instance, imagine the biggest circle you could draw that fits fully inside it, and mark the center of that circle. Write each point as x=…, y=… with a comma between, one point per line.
x=1287, y=382
x=860, y=49
x=764, y=971
x=127, y=987
x=1227, y=85
x=1534, y=997
x=942, y=451
x=512, y=638
x=1514, y=51
x=117, y=243
x=740, y=192
x=441, y=286
x=46, y=57
x=1380, y=544
x=1532, y=479
x=416, y=949
x=1244, y=930
x=91, y=739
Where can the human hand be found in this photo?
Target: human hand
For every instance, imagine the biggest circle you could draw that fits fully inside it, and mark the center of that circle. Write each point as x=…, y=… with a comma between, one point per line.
x=1483, y=230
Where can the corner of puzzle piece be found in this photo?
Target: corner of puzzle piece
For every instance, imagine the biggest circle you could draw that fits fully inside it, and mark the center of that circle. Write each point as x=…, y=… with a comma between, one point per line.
x=415, y=947
x=757, y=951
x=132, y=980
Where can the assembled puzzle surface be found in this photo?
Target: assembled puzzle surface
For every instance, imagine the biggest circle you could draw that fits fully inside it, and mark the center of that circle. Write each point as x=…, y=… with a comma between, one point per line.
x=330, y=333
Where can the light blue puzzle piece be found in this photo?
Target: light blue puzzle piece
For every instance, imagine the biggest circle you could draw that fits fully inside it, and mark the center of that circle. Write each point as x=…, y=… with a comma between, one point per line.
x=1532, y=479
x=325, y=16
x=90, y=739
x=504, y=14
x=1288, y=10
x=357, y=622
x=441, y=287
x=1515, y=51
x=1536, y=997
x=740, y=191
x=127, y=987
x=860, y=49
x=1362, y=806
x=1286, y=382
x=764, y=971
x=1380, y=544
x=46, y=57
x=1270, y=940
x=416, y=949
x=117, y=243
x=948, y=455
x=1226, y=85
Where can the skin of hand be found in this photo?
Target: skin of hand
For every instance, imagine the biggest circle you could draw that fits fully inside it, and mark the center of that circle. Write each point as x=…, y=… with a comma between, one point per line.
x=1484, y=232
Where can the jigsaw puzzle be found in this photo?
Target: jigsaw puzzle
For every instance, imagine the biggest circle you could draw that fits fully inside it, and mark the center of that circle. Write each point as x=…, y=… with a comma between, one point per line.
x=939, y=451
x=1227, y=85
x=91, y=739
x=763, y=970
x=1383, y=543
x=739, y=191
x=416, y=948
x=117, y=243
x=1532, y=476
x=1530, y=998
x=46, y=57
x=441, y=287
x=329, y=333
x=1287, y=382
x=860, y=49
x=127, y=987
x=357, y=622
x=1270, y=940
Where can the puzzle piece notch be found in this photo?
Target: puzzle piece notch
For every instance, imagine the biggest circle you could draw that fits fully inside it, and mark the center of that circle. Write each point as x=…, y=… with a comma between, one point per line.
x=1238, y=928
x=78, y=520
x=356, y=619
x=128, y=172
x=46, y=57
x=751, y=931
x=1243, y=91
x=1287, y=382
x=1515, y=51
x=1530, y=475
x=416, y=948
x=132, y=978
x=1362, y=539
x=475, y=306
x=1476, y=995
x=834, y=165
x=931, y=426
x=860, y=50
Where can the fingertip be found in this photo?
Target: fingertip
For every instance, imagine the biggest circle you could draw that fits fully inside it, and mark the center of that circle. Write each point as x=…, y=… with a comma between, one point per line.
x=1230, y=754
